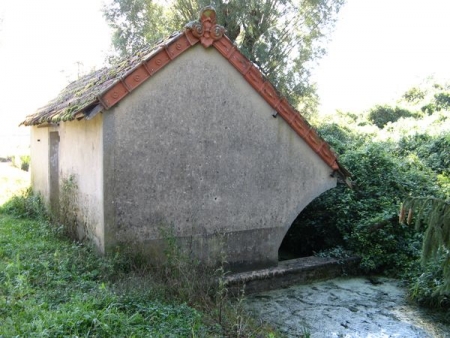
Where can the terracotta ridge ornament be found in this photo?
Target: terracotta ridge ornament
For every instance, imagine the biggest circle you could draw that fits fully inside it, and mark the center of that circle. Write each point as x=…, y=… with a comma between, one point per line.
x=207, y=29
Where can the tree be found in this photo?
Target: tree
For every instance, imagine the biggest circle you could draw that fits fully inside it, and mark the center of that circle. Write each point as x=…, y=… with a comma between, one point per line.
x=436, y=240
x=432, y=96
x=134, y=23
x=284, y=38
x=381, y=115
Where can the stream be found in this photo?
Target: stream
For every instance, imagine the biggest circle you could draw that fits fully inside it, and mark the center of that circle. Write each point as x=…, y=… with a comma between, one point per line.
x=345, y=307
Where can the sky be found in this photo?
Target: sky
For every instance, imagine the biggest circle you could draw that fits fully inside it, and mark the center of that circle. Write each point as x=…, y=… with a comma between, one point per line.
x=40, y=45
x=379, y=49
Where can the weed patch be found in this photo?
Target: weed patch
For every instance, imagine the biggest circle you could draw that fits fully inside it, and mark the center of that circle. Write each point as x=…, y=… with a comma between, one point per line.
x=68, y=208
x=51, y=287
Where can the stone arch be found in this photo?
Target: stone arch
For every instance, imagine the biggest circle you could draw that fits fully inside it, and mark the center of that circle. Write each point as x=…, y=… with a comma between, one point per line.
x=295, y=212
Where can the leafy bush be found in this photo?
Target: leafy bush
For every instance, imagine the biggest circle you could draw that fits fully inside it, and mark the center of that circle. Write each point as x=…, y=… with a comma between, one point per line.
x=382, y=115
x=414, y=95
x=25, y=162
x=434, y=151
x=430, y=97
x=340, y=138
x=364, y=219
x=442, y=101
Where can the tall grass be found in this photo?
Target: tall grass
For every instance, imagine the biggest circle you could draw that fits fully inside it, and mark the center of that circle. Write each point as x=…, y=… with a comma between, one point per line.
x=50, y=287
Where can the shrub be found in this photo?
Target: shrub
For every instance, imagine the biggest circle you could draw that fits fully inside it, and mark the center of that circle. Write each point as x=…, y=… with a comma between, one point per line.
x=414, y=95
x=442, y=101
x=338, y=137
x=364, y=219
x=382, y=115
x=25, y=162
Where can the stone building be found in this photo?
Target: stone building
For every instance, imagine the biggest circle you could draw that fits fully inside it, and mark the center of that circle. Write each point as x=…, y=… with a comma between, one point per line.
x=188, y=138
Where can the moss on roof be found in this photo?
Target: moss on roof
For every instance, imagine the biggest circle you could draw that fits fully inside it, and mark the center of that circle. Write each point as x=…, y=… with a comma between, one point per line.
x=81, y=96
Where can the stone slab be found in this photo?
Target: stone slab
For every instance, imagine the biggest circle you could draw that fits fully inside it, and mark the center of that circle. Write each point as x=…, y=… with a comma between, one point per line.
x=291, y=272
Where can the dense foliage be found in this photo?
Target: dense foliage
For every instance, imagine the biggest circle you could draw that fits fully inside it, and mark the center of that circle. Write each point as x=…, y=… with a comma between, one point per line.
x=382, y=115
x=394, y=153
x=283, y=37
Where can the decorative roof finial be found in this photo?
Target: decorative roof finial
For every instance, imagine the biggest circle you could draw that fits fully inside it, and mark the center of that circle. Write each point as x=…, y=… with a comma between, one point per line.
x=207, y=29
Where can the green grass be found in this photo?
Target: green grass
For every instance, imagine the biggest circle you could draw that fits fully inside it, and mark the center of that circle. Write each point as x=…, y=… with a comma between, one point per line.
x=50, y=287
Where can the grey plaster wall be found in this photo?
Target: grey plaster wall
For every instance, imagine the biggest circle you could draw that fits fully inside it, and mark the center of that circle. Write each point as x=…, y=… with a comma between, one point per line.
x=39, y=167
x=81, y=156
x=196, y=149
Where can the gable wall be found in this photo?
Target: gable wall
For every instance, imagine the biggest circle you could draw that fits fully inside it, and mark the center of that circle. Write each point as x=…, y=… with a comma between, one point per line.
x=39, y=161
x=197, y=149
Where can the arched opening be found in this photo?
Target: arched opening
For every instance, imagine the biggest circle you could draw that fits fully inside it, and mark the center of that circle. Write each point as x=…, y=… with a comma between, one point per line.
x=310, y=233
